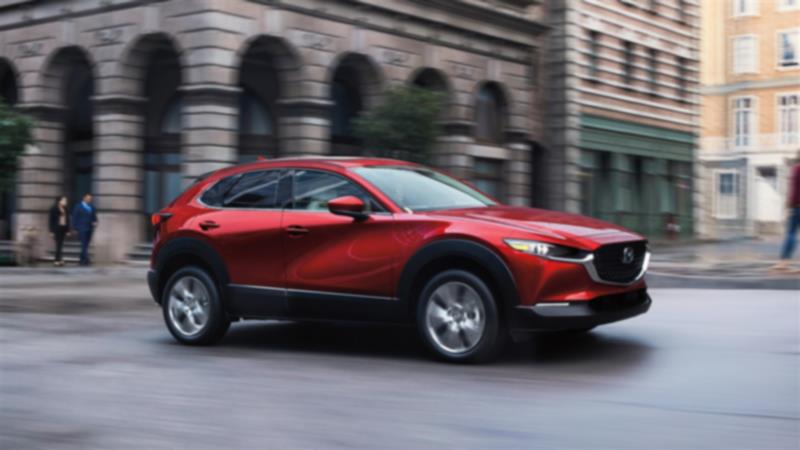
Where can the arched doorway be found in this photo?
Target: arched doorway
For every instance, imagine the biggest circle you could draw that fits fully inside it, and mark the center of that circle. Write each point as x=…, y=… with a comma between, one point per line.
x=355, y=86
x=157, y=60
x=9, y=95
x=261, y=88
x=69, y=84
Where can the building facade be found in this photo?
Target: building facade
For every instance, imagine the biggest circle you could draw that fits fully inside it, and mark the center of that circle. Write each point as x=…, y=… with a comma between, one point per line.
x=750, y=121
x=621, y=96
x=134, y=99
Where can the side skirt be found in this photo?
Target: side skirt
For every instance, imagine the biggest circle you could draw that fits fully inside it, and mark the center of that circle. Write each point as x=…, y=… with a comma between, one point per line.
x=257, y=302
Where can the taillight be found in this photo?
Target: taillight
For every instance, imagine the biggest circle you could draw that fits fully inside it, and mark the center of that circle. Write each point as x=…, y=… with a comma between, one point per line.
x=159, y=218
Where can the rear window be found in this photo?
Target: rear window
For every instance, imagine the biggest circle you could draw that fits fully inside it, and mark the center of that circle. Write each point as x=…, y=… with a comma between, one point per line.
x=257, y=189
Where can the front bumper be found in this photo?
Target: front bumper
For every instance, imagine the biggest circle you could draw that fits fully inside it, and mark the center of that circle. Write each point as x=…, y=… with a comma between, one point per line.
x=576, y=315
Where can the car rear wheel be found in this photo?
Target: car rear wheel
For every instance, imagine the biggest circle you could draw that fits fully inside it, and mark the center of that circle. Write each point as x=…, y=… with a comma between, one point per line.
x=192, y=308
x=458, y=319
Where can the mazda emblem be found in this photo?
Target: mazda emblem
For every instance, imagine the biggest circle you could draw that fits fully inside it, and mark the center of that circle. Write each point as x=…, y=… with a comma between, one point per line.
x=628, y=255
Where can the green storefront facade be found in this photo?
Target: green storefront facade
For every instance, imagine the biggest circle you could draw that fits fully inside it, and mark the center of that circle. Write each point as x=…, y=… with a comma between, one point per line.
x=637, y=176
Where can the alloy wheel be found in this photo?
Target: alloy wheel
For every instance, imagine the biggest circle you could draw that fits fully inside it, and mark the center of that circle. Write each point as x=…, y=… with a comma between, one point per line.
x=455, y=317
x=189, y=306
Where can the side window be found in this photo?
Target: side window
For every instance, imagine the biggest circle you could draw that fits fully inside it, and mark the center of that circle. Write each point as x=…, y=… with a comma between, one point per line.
x=254, y=190
x=215, y=195
x=313, y=189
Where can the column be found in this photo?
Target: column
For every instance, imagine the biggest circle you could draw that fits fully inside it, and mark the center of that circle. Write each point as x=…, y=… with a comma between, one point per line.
x=209, y=138
x=656, y=206
x=40, y=178
x=304, y=126
x=118, y=176
x=452, y=149
x=518, y=168
x=623, y=191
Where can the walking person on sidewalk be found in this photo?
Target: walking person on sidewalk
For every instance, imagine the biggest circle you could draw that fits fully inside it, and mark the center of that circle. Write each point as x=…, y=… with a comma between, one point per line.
x=793, y=203
x=59, y=227
x=84, y=221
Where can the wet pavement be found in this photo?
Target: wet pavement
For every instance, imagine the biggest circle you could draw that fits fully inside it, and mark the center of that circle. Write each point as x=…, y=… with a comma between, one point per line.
x=85, y=362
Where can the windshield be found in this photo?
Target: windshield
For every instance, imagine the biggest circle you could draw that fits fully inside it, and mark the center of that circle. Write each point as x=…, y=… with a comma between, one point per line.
x=420, y=189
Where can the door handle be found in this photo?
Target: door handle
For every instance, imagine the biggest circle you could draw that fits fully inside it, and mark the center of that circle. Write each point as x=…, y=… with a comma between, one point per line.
x=296, y=230
x=208, y=225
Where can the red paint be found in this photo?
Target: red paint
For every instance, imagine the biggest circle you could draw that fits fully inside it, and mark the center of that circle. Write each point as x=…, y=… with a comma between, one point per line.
x=322, y=251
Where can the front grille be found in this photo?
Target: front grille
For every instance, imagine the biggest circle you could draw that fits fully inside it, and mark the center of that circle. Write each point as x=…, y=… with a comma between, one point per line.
x=611, y=266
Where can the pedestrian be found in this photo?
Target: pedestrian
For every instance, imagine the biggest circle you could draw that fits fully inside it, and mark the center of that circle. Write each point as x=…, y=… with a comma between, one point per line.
x=59, y=227
x=793, y=205
x=84, y=221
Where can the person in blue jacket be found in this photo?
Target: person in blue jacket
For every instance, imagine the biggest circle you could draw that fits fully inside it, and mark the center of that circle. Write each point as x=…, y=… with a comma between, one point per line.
x=84, y=220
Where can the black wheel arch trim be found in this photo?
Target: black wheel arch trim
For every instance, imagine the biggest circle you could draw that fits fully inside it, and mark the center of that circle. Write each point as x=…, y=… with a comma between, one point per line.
x=187, y=247
x=478, y=253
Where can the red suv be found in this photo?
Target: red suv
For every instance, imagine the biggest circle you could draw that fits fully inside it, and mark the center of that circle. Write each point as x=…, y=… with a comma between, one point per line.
x=359, y=239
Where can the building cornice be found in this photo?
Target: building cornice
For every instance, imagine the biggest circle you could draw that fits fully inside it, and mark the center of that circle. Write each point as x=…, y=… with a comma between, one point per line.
x=728, y=88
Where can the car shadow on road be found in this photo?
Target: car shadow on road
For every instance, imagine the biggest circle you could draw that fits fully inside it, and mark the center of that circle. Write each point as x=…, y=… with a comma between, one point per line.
x=599, y=350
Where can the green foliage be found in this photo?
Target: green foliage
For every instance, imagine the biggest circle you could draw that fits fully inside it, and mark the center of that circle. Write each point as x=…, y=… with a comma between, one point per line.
x=404, y=126
x=15, y=134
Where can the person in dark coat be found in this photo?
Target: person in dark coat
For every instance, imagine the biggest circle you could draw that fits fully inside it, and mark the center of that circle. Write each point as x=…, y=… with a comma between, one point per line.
x=84, y=221
x=59, y=227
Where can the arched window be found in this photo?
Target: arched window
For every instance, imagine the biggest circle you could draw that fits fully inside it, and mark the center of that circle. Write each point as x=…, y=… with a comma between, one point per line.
x=355, y=86
x=172, y=120
x=346, y=106
x=8, y=84
x=490, y=110
x=254, y=117
x=430, y=79
x=69, y=83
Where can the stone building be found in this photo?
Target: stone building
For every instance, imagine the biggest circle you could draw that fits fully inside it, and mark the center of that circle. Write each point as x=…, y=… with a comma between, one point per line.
x=751, y=114
x=620, y=91
x=134, y=99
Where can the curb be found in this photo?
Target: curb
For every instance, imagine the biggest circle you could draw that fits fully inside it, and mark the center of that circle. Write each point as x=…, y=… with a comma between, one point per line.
x=657, y=279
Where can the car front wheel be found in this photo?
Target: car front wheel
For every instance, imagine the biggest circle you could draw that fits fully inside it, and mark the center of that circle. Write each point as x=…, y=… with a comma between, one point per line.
x=192, y=308
x=458, y=319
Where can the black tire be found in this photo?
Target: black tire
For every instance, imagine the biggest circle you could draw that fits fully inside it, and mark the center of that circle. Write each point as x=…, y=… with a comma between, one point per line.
x=581, y=330
x=493, y=336
x=217, y=322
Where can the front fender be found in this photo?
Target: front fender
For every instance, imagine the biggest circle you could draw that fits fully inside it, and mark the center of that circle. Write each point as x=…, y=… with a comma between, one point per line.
x=477, y=253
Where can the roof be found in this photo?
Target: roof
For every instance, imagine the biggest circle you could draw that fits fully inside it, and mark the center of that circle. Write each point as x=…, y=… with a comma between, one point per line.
x=340, y=161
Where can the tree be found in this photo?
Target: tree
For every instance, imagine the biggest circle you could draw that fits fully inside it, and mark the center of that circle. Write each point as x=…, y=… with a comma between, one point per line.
x=15, y=134
x=405, y=125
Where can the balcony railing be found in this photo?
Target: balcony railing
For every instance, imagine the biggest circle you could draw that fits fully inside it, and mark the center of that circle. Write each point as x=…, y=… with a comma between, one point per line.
x=753, y=143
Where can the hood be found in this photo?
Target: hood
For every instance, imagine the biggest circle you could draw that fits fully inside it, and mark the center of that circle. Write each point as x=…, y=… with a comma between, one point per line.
x=581, y=230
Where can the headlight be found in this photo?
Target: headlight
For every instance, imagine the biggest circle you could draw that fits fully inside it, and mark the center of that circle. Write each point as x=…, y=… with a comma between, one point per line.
x=546, y=250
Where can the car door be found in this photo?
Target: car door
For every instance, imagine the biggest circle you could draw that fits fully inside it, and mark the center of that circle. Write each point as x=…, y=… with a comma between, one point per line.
x=244, y=226
x=337, y=267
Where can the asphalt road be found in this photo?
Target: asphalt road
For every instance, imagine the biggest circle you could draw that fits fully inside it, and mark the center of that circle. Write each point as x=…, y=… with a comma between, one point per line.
x=87, y=366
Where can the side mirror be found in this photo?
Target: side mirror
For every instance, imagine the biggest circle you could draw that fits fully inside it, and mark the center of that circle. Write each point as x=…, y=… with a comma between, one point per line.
x=350, y=206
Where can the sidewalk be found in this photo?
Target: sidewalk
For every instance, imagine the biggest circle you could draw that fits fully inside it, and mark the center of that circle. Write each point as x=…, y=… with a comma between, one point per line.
x=729, y=264
x=735, y=263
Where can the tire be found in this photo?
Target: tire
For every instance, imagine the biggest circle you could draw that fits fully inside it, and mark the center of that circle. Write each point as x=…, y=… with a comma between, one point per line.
x=458, y=319
x=190, y=295
x=581, y=330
